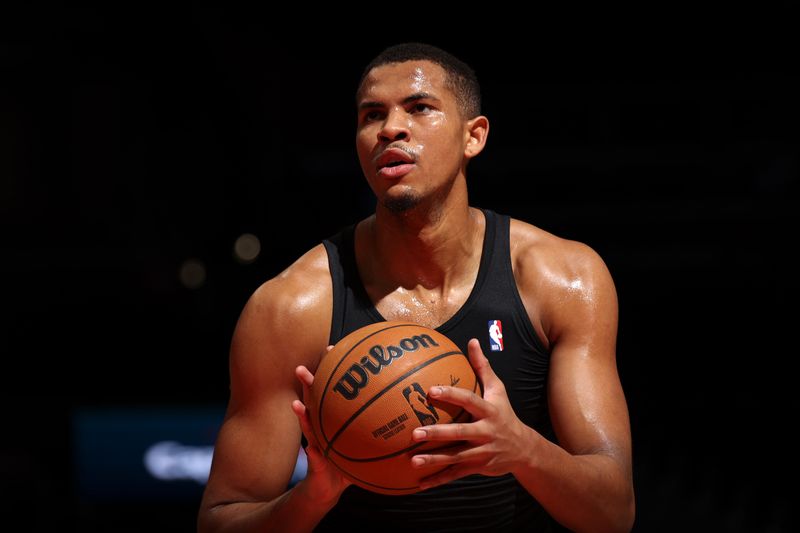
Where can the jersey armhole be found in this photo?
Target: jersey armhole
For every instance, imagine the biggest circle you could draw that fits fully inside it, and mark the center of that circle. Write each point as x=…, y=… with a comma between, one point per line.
x=523, y=321
x=337, y=280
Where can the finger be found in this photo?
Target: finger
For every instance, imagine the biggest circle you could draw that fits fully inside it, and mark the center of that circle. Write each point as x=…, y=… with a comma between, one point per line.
x=316, y=459
x=472, y=432
x=446, y=456
x=305, y=422
x=477, y=406
x=304, y=375
x=301, y=413
x=481, y=365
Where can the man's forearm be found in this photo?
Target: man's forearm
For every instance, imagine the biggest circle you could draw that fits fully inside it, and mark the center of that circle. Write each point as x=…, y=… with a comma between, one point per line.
x=586, y=493
x=292, y=511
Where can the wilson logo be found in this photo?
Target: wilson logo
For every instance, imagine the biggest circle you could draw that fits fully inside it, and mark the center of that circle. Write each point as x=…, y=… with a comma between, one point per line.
x=356, y=377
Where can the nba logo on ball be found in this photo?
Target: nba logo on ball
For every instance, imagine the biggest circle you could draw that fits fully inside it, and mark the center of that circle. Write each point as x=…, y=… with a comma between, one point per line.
x=496, y=335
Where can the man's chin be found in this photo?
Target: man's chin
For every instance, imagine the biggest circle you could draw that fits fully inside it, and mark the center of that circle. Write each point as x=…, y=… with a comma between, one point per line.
x=401, y=204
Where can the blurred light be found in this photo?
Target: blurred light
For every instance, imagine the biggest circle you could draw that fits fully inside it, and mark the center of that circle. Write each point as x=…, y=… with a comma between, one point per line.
x=246, y=248
x=170, y=460
x=192, y=273
x=157, y=454
x=300, y=468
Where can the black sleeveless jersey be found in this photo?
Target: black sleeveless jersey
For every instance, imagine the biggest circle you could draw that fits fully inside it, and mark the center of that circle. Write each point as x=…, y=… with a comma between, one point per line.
x=517, y=356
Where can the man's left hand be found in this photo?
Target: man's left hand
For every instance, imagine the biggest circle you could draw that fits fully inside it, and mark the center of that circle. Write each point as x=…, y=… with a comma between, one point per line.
x=492, y=444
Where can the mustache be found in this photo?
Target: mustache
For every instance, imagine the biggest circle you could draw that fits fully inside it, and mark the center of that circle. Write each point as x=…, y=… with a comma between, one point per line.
x=403, y=148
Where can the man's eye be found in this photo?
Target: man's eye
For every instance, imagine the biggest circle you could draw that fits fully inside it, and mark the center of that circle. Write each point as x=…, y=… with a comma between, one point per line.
x=372, y=115
x=421, y=108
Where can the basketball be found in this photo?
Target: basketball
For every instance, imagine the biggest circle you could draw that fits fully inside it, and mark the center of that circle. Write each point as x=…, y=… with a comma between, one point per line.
x=370, y=393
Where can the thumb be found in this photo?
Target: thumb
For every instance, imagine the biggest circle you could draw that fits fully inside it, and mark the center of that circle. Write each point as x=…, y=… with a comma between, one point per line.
x=481, y=365
x=316, y=460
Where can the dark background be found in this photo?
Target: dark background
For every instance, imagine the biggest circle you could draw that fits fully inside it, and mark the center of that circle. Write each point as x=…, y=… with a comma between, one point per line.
x=134, y=140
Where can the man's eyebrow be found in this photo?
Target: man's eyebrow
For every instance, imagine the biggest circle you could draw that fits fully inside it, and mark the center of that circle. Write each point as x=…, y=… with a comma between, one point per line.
x=369, y=104
x=419, y=96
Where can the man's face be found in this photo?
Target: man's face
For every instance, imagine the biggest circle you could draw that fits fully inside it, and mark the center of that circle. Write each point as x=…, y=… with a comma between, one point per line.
x=410, y=136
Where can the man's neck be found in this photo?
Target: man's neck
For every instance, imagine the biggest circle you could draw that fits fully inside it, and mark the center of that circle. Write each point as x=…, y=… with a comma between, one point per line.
x=425, y=251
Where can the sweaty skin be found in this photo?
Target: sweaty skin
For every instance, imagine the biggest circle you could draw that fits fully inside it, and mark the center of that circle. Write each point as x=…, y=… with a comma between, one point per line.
x=418, y=257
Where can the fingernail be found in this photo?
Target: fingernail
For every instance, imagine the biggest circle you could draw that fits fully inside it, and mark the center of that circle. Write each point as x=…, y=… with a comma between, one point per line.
x=436, y=391
x=418, y=461
x=419, y=433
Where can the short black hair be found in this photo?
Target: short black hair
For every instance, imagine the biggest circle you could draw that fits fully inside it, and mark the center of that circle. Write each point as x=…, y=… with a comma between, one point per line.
x=460, y=77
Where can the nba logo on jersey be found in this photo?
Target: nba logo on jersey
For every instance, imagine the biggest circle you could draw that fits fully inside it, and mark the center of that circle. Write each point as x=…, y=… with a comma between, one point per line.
x=496, y=335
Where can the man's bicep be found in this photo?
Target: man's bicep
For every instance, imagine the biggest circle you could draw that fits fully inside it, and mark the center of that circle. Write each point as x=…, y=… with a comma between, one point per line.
x=586, y=401
x=258, y=443
x=256, y=449
x=587, y=406
x=285, y=323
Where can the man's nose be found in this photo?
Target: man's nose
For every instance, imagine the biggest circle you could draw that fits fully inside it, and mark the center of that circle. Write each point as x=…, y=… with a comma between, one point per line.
x=395, y=127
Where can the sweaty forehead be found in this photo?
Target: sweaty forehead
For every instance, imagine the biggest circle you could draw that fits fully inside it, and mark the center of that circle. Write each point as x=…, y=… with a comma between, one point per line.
x=402, y=79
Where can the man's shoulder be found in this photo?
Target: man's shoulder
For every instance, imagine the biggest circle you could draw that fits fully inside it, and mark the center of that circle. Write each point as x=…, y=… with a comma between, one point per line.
x=296, y=304
x=300, y=294
x=536, y=250
x=527, y=235
x=300, y=284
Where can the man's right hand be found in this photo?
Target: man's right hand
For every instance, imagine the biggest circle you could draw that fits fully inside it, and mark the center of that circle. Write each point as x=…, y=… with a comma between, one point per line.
x=323, y=482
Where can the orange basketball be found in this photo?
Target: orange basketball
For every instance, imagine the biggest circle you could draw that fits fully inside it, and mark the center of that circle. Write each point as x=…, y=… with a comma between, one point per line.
x=370, y=393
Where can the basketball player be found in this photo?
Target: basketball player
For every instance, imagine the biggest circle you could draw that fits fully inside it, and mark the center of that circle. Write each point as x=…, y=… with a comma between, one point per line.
x=549, y=446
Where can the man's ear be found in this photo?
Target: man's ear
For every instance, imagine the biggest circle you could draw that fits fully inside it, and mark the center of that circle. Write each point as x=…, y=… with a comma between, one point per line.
x=476, y=133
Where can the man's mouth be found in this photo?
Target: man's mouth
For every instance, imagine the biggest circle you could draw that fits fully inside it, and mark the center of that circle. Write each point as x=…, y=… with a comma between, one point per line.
x=395, y=169
x=393, y=157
